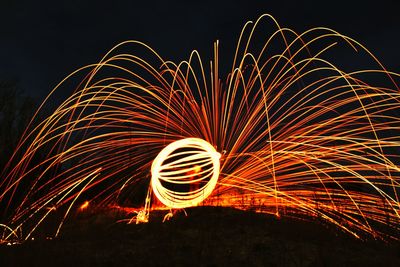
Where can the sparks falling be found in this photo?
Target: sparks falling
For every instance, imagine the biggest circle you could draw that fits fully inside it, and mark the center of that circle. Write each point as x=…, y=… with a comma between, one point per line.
x=294, y=134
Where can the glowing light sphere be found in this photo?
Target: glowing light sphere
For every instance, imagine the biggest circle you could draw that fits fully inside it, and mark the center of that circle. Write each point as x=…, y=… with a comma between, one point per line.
x=185, y=172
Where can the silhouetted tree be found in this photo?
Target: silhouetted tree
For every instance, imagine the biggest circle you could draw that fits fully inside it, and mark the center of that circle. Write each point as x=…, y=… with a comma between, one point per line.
x=16, y=110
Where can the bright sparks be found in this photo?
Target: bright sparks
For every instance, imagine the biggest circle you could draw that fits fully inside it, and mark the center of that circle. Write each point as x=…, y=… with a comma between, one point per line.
x=300, y=136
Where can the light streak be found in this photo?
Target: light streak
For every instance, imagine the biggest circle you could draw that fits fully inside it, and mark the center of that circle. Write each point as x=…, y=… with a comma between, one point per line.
x=299, y=137
x=175, y=165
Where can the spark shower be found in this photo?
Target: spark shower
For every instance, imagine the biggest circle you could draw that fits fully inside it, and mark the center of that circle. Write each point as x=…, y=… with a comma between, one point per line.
x=288, y=131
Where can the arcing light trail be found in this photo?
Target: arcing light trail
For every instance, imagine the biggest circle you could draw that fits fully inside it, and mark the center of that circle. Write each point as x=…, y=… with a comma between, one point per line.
x=289, y=132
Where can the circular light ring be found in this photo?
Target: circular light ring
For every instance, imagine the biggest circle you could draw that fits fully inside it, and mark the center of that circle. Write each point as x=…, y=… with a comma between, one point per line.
x=189, y=161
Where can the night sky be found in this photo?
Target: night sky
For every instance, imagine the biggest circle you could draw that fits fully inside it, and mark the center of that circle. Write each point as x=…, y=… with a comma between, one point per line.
x=43, y=41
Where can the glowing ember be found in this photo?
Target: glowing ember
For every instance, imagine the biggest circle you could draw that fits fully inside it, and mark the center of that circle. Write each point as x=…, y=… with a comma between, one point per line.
x=84, y=206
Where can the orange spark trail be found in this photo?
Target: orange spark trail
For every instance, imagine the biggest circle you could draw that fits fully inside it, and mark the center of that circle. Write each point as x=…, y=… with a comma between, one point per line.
x=289, y=131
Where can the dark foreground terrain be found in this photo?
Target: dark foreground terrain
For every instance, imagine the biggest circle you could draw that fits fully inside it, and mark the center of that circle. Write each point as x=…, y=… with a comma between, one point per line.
x=206, y=237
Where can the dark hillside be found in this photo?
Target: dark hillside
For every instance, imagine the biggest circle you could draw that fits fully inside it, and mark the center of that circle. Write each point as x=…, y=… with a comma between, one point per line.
x=206, y=237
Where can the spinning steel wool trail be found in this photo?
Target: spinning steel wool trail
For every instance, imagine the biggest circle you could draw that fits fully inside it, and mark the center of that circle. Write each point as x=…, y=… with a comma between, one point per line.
x=289, y=132
x=181, y=170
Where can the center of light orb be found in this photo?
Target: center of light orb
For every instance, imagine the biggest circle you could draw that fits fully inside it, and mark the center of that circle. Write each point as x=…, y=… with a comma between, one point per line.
x=185, y=172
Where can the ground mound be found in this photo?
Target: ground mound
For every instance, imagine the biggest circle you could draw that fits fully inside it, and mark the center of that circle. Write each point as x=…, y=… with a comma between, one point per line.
x=205, y=237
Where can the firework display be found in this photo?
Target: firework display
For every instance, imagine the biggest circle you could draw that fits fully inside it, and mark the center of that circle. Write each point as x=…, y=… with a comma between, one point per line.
x=286, y=130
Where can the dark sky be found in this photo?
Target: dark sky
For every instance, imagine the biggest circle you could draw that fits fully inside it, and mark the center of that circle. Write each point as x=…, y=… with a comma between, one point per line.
x=43, y=41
